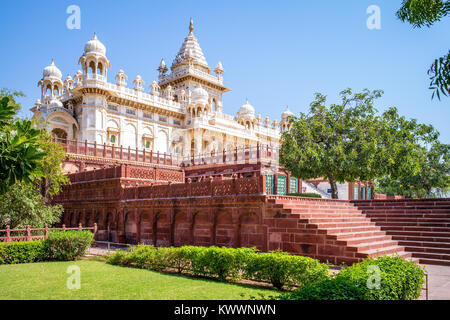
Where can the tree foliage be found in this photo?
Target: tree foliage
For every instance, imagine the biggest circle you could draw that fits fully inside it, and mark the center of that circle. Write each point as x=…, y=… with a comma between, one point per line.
x=433, y=179
x=421, y=13
x=27, y=159
x=24, y=205
x=20, y=155
x=350, y=141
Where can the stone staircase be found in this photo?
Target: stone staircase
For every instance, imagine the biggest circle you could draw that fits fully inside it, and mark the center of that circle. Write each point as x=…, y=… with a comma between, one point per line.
x=328, y=230
x=422, y=226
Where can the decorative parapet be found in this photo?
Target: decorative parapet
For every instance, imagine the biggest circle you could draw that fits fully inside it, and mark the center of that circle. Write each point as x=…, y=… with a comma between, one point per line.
x=93, y=190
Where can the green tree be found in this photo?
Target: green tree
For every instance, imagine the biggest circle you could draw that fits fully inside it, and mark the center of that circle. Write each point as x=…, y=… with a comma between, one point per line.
x=53, y=177
x=20, y=155
x=24, y=205
x=28, y=160
x=421, y=13
x=433, y=179
x=350, y=141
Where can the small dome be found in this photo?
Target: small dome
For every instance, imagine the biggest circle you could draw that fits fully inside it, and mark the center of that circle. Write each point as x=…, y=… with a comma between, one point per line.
x=95, y=46
x=200, y=95
x=286, y=113
x=247, y=110
x=55, y=104
x=52, y=71
x=219, y=68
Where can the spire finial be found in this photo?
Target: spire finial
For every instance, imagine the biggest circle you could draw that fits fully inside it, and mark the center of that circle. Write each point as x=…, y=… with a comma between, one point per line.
x=191, y=26
x=95, y=36
x=53, y=62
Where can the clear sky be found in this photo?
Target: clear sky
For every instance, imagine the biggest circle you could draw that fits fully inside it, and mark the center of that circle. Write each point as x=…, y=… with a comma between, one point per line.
x=276, y=53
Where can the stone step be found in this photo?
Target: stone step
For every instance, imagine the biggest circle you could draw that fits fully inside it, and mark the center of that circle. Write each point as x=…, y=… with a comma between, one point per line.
x=429, y=255
x=408, y=219
x=338, y=219
x=402, y=210
x=428, y=239
x=355, y=235
x=418, y=233
x=360, y=240
x=306, y=206
x=412, y=224
x=415, y=228
x=410, y=206
x=327, y=215
x=382, y=251
x=439, y=262
x=375, y=245
x=421, y=202
x=397, y=203
x=327, y=225
x=340, y=230
x=422, y=248
x=320, y=211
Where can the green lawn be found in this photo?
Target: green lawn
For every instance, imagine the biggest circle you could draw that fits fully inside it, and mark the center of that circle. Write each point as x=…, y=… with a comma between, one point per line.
x=104, y=282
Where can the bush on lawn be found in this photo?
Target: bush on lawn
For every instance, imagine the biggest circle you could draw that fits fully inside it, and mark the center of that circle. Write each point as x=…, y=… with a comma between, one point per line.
x=399, y=280
x=282, y=269
x=67, y=245
x=21, y=252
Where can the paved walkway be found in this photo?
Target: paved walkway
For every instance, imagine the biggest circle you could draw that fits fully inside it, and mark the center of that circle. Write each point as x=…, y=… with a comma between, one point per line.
x=438, y=283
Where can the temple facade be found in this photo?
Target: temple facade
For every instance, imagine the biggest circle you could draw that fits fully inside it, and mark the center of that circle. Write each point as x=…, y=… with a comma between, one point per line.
x=181, y=114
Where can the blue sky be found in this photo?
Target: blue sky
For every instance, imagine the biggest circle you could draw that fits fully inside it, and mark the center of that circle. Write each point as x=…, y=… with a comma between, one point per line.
x=275, y=52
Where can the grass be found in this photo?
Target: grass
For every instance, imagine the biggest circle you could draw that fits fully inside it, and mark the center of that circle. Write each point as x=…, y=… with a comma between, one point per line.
x=100, y=281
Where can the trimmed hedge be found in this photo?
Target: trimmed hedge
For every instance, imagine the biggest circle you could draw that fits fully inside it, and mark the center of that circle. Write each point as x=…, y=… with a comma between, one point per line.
x=284, y=270
x=278, y=268
x=307, y=195
x=59, y=246
x=67, y=245
x=21, y=252
x=399, y=279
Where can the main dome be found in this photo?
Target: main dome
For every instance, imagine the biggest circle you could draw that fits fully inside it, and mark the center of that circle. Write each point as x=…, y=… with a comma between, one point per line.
x=95, y=46
x=52, y=71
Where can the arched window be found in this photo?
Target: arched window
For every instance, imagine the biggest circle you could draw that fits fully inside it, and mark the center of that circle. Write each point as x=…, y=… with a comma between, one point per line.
x=91, y=68
x=100, y=68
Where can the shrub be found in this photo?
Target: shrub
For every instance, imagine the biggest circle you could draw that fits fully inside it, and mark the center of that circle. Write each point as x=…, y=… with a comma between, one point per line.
x=307, y=195
x=142, y=255
x=21, y=252
x=67, y=245
x=328, y=289
x=399, y=279
x=282, y=269
x=119, y=258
